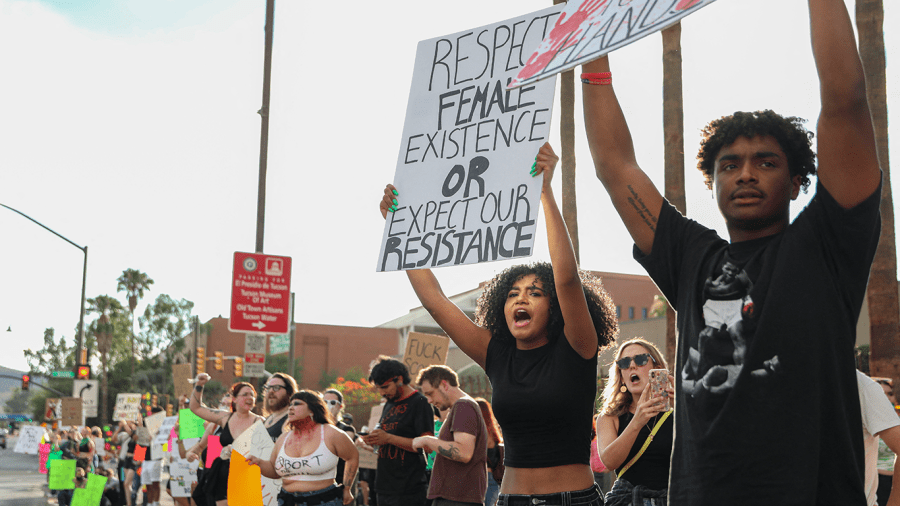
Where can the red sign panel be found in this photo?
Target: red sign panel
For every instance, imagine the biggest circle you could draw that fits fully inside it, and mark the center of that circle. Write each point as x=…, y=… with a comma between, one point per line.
x=260, y=294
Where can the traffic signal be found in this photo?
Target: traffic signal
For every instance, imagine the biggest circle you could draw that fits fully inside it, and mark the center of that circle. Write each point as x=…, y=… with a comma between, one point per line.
x=26, y=381
x=220, y=361
x=84, y=372
x=201, y=359
x=238, y=366
x=154, y=400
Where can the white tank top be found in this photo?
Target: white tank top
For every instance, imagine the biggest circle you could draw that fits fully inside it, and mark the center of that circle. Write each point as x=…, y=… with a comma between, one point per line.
x=321, y=464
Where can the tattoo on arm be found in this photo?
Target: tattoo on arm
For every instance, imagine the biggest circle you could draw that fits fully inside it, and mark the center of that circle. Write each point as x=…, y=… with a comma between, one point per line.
x=643, y=211
x=451, y=453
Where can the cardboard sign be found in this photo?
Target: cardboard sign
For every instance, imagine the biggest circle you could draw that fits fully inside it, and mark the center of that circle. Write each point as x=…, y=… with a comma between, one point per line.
x=71, y=410
x=589, y=29
x=154, y=422
x=423, y=350
x=29, y=439
x=128, y=407
x=368, y=459
x=465, y=192
x=181, y=374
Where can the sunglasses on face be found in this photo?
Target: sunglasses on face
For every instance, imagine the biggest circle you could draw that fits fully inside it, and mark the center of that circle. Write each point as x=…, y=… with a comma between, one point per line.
x=639, y=360
x=332, y=402
x=275, y=388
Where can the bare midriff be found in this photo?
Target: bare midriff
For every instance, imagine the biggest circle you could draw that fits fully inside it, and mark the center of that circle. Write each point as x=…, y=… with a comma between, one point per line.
x=305, y=486
x=546, y=480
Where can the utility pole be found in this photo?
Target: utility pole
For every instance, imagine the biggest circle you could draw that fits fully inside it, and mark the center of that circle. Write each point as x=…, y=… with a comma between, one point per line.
x=264, y=134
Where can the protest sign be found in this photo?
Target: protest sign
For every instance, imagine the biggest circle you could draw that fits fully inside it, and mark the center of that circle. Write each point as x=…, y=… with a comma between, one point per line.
x=243, y=481
x=52, y=409
x=154, y=422
x=92, y=492
x=142, y=436
x=71, y=410
x=152, y=471
x=423, y=350
x=29, y=439
x=257, y=442
x=100, y=446
x=181, y=374
x=181, y=468
x=62, y=472
x=368, y=459
x=465, y=193
x=43, y=456
x=189, y=424
x=128, y=407
x=180, y=486
x=140, y=453
x=164, y=431
x=57, y=455
x=589, y=29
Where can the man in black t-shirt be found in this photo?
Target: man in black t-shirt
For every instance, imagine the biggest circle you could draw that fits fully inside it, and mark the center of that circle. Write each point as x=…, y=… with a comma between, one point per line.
x=400, y=477
x=766, y=405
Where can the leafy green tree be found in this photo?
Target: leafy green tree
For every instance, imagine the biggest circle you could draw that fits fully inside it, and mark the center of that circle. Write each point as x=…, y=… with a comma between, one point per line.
x=164, y=325
x=54, y=356
x=134, y=283
x=279, y=363
x=18, y=402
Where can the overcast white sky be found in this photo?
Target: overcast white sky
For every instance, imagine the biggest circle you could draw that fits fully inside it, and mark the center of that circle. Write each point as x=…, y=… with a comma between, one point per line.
x=130, y=126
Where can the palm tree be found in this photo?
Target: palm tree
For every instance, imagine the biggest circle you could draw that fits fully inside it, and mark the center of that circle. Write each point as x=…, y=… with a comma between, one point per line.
x=884, y=308
x=133, y=282
x=107, y=307
x=673, y=132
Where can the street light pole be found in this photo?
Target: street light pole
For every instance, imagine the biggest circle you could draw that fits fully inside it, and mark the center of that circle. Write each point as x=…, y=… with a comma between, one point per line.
x=84, y=249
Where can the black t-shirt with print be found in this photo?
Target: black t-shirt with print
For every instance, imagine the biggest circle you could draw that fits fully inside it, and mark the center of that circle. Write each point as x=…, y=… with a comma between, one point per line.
x=767, y=408
x=400, y=471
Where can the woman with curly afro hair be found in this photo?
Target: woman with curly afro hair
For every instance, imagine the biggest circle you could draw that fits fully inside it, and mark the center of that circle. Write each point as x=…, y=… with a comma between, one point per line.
x=539, y=329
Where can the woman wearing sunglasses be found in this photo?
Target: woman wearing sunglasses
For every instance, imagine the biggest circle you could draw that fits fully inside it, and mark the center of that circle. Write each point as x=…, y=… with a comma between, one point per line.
x=306, y=457
x=537, y=333
x=625, y=425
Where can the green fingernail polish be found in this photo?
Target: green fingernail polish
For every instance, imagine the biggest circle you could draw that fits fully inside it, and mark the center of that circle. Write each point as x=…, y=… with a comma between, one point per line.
x=395, y=201
x=395, y=192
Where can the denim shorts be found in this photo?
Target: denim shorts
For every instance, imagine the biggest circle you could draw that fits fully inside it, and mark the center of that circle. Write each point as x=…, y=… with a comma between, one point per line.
x=329, y=496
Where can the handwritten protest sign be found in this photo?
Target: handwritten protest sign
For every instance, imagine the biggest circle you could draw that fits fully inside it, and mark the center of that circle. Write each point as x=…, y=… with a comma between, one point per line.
x=181, y=373
x=423, y=350
x=92, y=492
x=180, y=486
x=154, y=422
x=256, y=441
x=164, y=431
x=465, y=193
x=71, y=410
x=62, y=472
x=189, y=424
x=29, y=439
x=100, y=446
x=52, y=409
x=128, y=407
x=142, y=436
x=152, y=471
x=589, y=29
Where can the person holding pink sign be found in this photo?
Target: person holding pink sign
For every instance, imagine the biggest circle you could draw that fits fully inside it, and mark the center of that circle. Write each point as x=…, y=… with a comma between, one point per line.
x=537, y=334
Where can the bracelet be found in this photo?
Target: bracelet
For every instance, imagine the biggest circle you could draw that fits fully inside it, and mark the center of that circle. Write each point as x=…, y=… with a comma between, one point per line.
x=601, y=78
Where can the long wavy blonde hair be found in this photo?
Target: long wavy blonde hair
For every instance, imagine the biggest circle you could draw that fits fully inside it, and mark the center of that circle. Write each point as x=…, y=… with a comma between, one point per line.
x=615, y=401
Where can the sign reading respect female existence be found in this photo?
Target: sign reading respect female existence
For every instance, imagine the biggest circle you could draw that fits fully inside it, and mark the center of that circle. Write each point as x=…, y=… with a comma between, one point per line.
x=589, y=29
x=468, y=145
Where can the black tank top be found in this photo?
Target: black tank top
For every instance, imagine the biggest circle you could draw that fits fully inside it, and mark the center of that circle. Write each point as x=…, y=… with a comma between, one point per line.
x=652, y=469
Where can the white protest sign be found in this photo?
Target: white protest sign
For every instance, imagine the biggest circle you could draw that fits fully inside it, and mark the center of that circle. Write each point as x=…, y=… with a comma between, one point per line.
x=29, y=439
x=128, y=407
x=154, y=422
x=256, y=441
x=182, y=468
x=165, y=428
x=100, y=446
x=89, y=391
x=180, y=487
x=589, y=29
x=468, y=145
x=152, y=471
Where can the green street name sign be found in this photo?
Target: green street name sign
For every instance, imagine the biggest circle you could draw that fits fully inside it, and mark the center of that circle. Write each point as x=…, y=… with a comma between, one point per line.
x=62, y=374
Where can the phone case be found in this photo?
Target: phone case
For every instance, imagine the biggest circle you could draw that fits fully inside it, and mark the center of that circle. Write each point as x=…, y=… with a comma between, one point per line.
x=659, y=380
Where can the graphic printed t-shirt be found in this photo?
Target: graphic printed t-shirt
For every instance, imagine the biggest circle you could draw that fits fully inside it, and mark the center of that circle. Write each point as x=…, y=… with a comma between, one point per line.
x=768, y=410
x=400, y=471
x=458, y=481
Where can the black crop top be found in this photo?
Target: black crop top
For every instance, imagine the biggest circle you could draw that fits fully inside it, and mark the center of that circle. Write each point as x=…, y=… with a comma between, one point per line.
x=652, y=469
x=544, y=401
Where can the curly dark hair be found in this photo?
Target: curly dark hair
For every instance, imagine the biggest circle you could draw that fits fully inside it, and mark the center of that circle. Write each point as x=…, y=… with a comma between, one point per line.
x=387, y=368
x=795, y=140
x=315, y=404
x=490, y=311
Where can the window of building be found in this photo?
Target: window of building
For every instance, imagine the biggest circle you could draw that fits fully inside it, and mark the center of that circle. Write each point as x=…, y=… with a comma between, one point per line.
x=644, y=313
x=618, y=312
x=631, y=313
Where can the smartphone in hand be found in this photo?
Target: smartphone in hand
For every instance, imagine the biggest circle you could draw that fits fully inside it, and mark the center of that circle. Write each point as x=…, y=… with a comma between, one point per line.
x=659, y=381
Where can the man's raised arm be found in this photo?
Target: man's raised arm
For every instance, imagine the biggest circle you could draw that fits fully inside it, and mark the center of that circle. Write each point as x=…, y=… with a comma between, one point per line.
x=848, y=162
x=636, y=199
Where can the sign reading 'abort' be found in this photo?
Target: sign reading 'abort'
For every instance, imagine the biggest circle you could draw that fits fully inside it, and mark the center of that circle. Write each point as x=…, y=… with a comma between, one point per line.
x=468, y=145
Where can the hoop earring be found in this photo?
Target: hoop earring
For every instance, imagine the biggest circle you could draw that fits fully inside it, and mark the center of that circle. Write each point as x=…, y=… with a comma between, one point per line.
x=623, y=389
